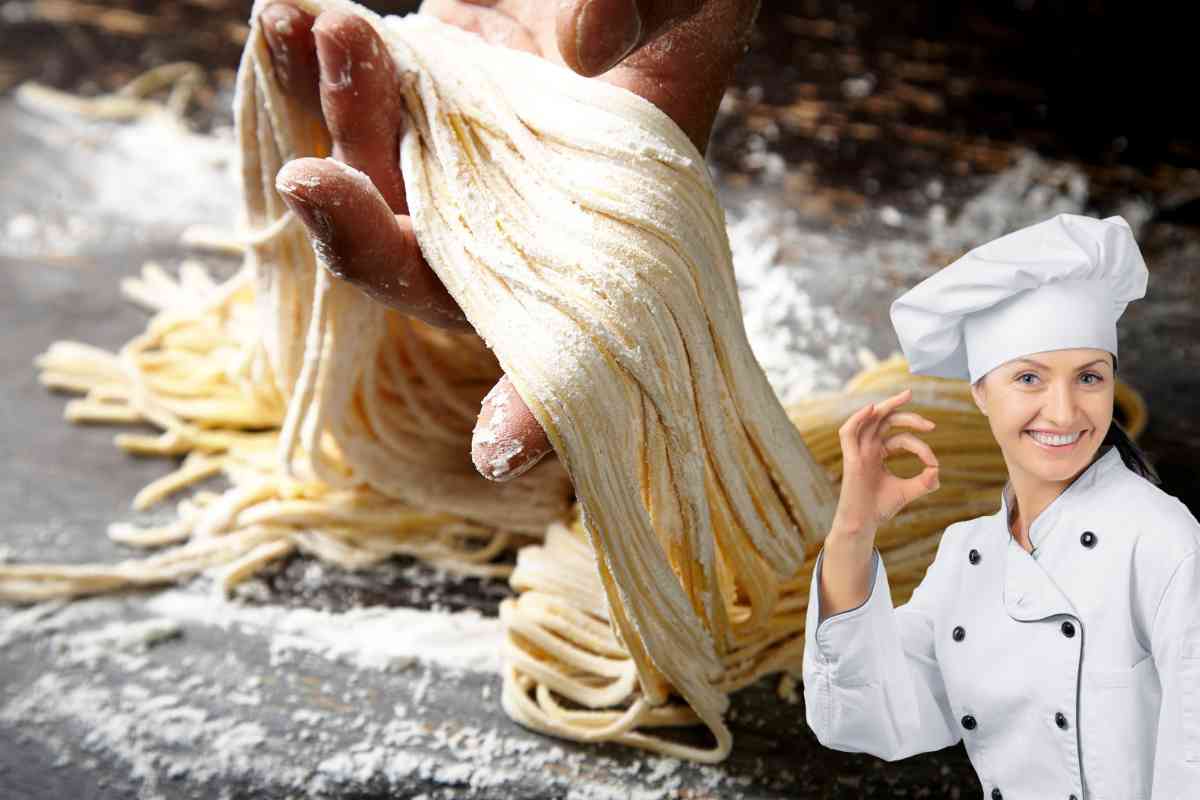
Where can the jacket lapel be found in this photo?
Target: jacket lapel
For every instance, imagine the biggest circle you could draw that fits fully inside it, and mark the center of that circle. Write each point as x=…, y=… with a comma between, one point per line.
x=1029, y=593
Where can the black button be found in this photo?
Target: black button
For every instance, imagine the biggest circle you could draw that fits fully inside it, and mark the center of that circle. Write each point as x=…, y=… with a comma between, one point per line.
x=1072, y=797
x=1088, y=539
x=1068, y=629
x=996, y=794
x=968, y=722
x=973, y=556
x=1060, y=720
x=959, y=633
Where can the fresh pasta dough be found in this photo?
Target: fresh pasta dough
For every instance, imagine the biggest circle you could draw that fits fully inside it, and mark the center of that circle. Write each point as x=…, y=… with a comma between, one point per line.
x=578, y=228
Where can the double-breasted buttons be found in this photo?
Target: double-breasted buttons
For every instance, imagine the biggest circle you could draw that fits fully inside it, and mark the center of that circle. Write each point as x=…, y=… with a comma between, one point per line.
x=968, y=722
x=1060, y=720
x=973, y=556
x=1088, y=539
x=996, y=794
x=1068, y=629
x=959, y=633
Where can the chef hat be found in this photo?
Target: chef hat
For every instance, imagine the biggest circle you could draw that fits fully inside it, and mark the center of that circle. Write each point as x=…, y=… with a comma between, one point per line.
x=1059, y=284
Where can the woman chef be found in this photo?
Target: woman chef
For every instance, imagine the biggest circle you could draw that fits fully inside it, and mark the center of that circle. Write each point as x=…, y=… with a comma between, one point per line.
x=1059, y=638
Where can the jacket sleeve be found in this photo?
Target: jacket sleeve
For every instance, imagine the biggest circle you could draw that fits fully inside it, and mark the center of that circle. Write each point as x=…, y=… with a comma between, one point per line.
x=872, y=683
x=1175, y=643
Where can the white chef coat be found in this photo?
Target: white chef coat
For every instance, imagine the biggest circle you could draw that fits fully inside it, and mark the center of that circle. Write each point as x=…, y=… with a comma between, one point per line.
x=1075, y=674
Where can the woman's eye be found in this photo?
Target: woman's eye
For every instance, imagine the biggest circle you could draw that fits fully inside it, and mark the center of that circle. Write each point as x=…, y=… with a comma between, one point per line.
x=1099, y=378
x=1025, y=375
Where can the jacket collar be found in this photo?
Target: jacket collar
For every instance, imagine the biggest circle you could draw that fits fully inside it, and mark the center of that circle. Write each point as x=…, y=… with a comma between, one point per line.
x=1029, y=591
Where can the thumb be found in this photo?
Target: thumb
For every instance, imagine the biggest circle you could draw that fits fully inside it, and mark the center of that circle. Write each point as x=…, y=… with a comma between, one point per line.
x=929, y=479
x=900, y=492
x=596, y=35
x=507, y=441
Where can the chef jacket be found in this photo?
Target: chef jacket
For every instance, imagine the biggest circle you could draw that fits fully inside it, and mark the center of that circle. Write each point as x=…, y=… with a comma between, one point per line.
x=1074, y=674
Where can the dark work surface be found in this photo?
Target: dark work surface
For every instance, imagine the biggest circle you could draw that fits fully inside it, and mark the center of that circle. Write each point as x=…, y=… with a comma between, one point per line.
x=865, y=104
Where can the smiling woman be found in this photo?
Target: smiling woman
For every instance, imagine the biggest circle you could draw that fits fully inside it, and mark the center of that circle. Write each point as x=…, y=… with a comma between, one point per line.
x=1030, y=319
x=1048, y=417
x=1091, y=386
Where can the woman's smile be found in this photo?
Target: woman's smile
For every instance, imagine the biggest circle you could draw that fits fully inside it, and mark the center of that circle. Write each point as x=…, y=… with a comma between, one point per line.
x=1053, y=443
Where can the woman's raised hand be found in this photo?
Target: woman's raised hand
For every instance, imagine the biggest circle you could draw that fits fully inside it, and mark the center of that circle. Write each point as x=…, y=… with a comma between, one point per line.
x=870, y=494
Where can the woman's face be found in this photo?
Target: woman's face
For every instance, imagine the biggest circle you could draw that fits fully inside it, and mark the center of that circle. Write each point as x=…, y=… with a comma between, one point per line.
x=1055, y=392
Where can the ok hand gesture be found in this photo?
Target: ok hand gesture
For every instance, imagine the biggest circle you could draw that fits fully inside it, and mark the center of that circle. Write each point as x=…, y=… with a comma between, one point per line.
x=870, y=494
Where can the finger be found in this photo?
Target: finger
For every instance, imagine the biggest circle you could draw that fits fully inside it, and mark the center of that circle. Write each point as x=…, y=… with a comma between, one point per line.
x=490, y=19
x=289, y=35
x=676, y=62
x=919, y=485
x=883, y=409
x=507, y=440
x=907, y=490
x=594, y=35
x=362, y=241
x=910, y=418
x=360, y=97
x=907, y=441
x=849, y=432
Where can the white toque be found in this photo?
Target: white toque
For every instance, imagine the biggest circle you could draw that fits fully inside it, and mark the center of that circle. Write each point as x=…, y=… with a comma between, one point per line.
x=1062, y=283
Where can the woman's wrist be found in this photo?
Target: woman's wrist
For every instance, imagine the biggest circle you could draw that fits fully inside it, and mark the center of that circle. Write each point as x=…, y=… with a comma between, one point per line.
x=846, y=572
x=852, y=534
x=847, y=550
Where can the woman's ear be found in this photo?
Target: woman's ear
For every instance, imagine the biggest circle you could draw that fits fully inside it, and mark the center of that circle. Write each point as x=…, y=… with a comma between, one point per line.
x=979, y=395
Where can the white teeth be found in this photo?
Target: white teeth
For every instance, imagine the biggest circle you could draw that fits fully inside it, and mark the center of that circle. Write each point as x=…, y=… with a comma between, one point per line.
x=1054, y=440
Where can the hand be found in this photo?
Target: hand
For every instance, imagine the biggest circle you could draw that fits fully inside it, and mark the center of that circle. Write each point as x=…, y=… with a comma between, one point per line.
x=870, y=494
x=663, y=50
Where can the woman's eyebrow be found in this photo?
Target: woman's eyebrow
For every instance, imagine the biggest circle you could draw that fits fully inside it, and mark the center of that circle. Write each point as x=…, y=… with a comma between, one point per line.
x=1043, y=366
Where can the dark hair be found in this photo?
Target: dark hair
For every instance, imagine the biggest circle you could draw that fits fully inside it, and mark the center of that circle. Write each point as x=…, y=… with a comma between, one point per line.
x=1131, y=454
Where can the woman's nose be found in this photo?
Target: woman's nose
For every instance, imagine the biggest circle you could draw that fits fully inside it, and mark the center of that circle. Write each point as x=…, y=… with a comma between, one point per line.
x=1060, y=408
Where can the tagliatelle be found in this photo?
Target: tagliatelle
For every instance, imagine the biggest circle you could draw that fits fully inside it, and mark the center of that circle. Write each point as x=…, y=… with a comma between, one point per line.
x=578, y=229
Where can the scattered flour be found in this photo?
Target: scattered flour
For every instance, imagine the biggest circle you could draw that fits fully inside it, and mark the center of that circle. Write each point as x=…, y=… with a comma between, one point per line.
x=169, y=719
x=801, y=286
x=95, y=179
x=140, y=635
x=379, y=638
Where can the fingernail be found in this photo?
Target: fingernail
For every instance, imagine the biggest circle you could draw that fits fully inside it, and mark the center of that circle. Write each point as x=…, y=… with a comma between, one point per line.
x=500, y=463
x=334, y=61
x=499, y=452
x=277, y=26
x=319, y=224
x=605, y=32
